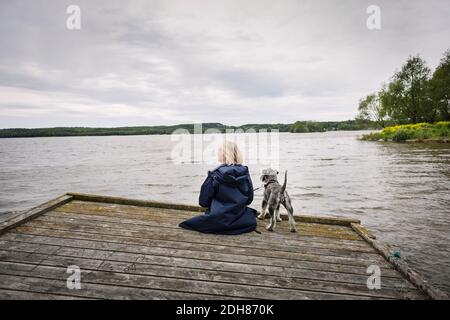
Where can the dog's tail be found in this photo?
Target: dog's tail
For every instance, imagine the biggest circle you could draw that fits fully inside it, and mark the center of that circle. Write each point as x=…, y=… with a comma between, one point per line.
x=283, y=187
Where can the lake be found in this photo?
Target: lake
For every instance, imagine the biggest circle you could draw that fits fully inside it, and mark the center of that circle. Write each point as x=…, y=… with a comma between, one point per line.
x=399, y=191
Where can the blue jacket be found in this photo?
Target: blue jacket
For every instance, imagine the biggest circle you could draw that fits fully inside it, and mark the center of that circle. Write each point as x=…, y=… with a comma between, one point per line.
x=226, y=192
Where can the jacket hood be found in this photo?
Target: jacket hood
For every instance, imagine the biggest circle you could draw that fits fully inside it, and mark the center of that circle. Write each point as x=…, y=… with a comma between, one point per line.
x=231, y=174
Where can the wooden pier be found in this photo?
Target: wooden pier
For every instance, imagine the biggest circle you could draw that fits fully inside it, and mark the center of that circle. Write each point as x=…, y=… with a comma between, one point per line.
x=134, y=249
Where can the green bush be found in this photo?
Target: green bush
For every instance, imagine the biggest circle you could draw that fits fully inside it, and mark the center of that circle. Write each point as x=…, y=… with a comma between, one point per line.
x=418, y=131
x=374, y=136
x=401, y=135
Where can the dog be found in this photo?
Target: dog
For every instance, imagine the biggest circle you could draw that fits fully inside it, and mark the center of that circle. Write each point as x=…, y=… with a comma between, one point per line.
x=274, y=195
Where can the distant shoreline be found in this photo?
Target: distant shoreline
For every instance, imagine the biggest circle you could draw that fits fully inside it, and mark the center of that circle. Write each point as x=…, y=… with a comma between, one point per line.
x=307, y=126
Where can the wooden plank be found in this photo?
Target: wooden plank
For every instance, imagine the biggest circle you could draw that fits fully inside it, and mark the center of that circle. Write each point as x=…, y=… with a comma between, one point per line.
x=142, y=256
x=267, y=280
x=329, y=220
x=134, y=202
x=303, y=229
x=162, y=217
x=270, y=239
x=360, y=246
x=314, y=230
x=4, y=216
x=342, y=221
x=144, y=203
x=402, y=266
x=88, y=290
x=345, y=251
x=237, y=269
x=136, y=250
x=32, y=213
x=206, y=256
x=30, y=257
x=195, y=241
x=288, y=238
x=363, y=232
x=362, y=259
x=132, y=245
x=165, y=284
x=26, y=295
x=163, y=214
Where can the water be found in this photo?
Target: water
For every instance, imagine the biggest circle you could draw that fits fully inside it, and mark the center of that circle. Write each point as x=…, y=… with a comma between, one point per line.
x=399, y=191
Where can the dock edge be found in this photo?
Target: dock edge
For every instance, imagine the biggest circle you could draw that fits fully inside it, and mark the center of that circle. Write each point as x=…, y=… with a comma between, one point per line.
x=400, y=264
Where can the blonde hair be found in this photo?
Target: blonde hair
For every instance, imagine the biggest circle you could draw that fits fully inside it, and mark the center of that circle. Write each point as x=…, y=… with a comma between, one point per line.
x=230, y=153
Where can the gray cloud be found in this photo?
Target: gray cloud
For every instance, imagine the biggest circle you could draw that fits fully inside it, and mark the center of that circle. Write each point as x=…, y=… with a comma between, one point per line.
x=167, y=61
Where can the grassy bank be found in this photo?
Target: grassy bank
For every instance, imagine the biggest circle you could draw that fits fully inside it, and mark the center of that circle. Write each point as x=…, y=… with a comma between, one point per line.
x=419, y=132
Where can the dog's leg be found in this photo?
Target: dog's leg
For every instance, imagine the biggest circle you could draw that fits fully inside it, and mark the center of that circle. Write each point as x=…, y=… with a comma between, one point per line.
x=262, y=215
x=287, y=204
x=273, y=219
x=278, y=213
x=272, y=202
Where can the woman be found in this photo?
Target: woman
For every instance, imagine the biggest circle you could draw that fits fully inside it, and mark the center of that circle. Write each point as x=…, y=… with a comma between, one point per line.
x=226, y=192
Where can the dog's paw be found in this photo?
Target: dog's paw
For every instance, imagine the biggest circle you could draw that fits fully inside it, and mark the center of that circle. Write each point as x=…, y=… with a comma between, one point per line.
x=260, y=217
x=293, y=229
x=269, y=228
x=279, y=219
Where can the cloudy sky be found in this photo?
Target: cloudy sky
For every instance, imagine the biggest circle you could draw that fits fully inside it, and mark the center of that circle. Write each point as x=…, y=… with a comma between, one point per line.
x=235, y=62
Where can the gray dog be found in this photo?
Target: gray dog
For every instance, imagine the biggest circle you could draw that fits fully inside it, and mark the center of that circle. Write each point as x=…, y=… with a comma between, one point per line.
x=274, y=195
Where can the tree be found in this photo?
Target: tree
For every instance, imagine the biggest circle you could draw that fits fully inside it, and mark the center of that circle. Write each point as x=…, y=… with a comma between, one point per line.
x=406, y=98
x=370, y=109
x=392, y=102
x=412, y=81
x=440, y=88
x=299, y=127
x=411, y=96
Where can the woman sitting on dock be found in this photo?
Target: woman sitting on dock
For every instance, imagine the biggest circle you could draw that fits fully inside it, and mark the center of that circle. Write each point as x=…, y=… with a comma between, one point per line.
x=226, y=192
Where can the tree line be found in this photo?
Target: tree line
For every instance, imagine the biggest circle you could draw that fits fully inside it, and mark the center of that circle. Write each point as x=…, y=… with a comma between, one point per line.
x=413, y=95
x=321, y=126
x=299, y=126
